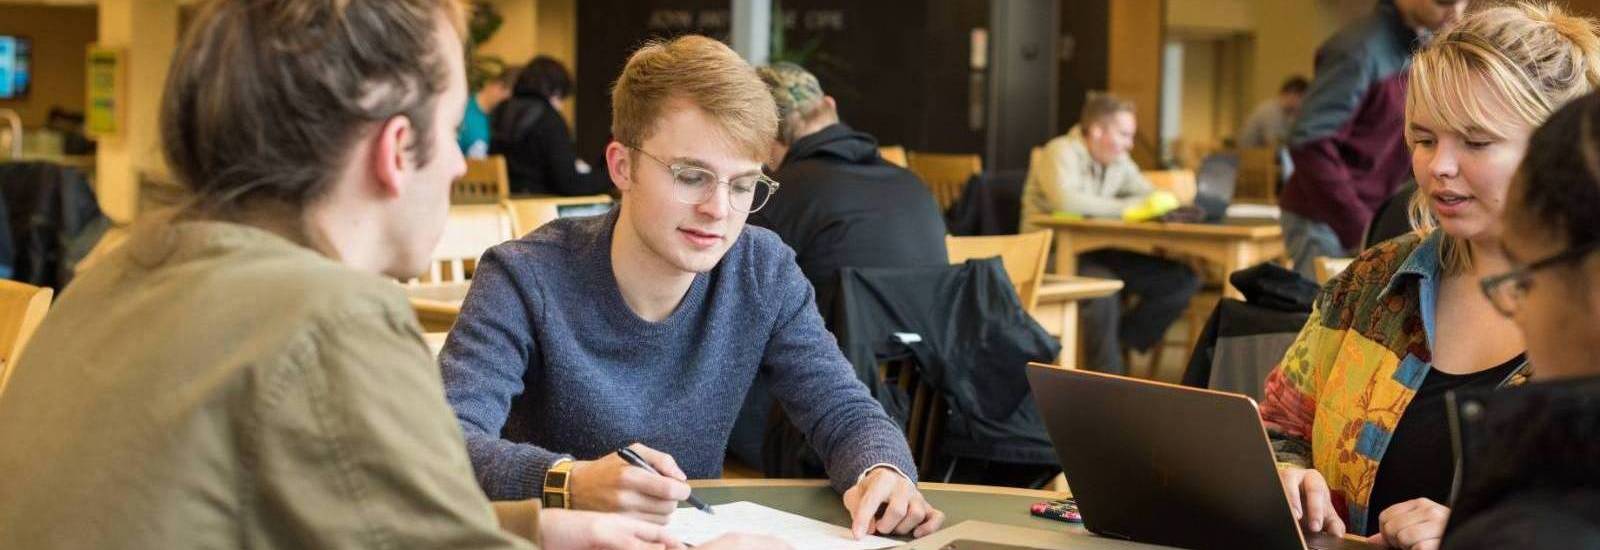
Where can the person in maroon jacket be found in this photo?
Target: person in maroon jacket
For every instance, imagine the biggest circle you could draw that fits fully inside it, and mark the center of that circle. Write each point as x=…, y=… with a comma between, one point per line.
x=1348, y=145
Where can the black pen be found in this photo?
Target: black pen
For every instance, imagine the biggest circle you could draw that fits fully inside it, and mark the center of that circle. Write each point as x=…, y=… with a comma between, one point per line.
x=633, y=458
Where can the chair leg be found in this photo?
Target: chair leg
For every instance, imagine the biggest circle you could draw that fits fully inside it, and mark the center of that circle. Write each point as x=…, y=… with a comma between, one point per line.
x=1156, y=355
x=927, y=448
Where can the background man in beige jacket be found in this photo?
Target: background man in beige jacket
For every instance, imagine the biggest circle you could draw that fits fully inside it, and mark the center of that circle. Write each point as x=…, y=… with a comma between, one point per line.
x=1088, y=173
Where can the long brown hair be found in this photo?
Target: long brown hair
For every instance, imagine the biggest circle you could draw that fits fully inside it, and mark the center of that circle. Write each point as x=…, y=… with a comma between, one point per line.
x=264, y=100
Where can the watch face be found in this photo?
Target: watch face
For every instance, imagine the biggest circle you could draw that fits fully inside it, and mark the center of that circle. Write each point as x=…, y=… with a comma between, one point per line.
x=555, y=479
x=555, y=500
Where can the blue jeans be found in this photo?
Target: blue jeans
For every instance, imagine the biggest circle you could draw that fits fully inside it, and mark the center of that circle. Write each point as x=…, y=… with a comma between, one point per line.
x=1308, y=239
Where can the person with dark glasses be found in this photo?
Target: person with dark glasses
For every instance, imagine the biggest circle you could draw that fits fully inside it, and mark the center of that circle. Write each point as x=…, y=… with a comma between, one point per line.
x=1529, y=457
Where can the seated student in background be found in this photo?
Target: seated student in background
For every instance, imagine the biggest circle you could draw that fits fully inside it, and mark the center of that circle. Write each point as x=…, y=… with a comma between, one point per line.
x=529, y=131
x=842, y=206
x=1356, y=409
x=473, y=137
x=644, y=327
x=247, y=374
x=1268, y=125
x=1532, y=477
x=1087, y=172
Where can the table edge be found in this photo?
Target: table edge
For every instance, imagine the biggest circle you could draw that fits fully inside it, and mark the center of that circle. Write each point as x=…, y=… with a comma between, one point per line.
x=813, y=483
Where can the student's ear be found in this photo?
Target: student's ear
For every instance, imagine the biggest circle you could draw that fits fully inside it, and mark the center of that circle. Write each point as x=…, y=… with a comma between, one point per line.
x=1591, y=283
x=619, y=165
x=389, y=157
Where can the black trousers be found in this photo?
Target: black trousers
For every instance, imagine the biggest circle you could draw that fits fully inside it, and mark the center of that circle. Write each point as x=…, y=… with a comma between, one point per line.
x=1162, y=289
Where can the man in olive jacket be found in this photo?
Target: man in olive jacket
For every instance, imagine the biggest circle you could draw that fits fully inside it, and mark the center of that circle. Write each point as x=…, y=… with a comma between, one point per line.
x=246, y=373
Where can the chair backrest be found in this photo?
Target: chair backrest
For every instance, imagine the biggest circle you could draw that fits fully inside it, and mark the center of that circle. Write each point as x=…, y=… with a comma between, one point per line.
x=946, y=175
x=10, y=134
x=1258, y=175
x=470, y=231
x=895, y=154
x=528, y=213
x=486, y=182
x=1023, y=255
x=1392, y=218
x=22, y=308
x=1178, y=182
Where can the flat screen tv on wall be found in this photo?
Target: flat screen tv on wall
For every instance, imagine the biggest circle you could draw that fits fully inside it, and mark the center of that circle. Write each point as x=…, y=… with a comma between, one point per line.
x=15, y=76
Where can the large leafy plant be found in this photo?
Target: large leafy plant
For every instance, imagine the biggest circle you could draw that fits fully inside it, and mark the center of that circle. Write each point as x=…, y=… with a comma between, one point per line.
x=480, y=67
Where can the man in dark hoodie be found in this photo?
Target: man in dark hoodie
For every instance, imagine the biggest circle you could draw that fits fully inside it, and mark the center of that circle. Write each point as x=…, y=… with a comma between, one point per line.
x=841, y=204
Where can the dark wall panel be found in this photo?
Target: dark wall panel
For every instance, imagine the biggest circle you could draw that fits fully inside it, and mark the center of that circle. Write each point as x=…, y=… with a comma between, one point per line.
x=898, y=69
x=1085, y=32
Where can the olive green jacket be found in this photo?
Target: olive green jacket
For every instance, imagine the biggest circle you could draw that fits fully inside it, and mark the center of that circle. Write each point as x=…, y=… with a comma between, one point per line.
x=212, y=385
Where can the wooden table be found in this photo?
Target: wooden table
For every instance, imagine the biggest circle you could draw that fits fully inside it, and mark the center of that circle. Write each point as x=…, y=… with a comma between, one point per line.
x=1002, y=506
x=1057, y=310
x=1233, y=244
x=437, y=304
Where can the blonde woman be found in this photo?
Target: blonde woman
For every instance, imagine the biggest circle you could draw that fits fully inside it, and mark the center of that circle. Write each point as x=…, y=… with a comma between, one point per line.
x=1356, y=407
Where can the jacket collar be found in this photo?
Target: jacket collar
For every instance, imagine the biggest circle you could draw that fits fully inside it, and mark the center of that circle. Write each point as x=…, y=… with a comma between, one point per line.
x=837, y=140
x=1420, y=268
x=162, y=240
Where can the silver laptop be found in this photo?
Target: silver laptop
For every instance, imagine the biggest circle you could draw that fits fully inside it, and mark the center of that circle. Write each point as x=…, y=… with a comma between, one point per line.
x=1172, y=465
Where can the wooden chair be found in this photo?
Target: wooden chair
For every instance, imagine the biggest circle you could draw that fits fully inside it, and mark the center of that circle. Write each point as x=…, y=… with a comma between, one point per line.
x=946, y=175
x=1327, y=268
x=1177, y=182
x=528, y=213
x=1023, y=255
x=895, y=154
x=471, y=230
x=22, y=308
x=1258, y=176
x=486, y=182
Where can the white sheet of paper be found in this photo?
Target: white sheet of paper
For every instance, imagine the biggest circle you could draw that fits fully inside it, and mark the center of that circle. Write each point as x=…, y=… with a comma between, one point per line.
x=695, y=527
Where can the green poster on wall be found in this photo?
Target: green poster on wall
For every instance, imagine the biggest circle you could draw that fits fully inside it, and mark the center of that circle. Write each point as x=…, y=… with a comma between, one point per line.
x=104, y=95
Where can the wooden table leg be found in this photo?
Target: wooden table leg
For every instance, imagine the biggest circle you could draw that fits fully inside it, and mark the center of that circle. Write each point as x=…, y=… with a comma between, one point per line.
x=1066, y=257
x=1240, y=255
x=1069, y=335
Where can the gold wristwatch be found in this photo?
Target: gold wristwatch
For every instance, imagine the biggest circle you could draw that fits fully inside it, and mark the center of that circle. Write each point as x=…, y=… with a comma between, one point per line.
x=557, y=480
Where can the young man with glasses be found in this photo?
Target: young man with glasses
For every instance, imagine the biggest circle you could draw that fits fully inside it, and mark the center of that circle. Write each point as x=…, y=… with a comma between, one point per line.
x=644, y=328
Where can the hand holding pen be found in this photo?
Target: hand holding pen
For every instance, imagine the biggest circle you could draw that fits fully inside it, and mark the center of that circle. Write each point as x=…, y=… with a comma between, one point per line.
x=636, y=460
x=612, y=484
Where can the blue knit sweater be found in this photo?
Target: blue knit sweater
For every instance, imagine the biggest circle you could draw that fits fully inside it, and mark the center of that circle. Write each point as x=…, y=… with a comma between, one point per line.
x=548, y=361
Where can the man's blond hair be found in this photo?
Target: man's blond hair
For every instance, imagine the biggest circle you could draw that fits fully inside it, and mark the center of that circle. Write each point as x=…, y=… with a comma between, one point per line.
x=703, y=72
x=1098, y=106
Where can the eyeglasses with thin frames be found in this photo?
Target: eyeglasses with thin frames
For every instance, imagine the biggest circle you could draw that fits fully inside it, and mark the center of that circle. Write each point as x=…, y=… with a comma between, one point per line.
x=696, y=185
x=1507, y=290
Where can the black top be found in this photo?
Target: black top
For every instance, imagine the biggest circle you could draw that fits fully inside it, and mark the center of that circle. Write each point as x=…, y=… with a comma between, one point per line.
x=1419, y=462
x=842, y=205
x=531, y=134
